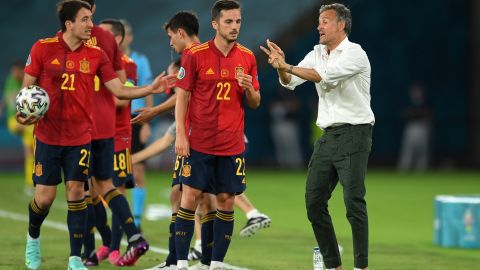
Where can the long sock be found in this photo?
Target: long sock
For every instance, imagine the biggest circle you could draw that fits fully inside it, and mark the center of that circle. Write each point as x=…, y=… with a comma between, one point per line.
x=138, y=201
x=183, y=232
x=119, y=206
x=101, y=221
x=207, y=237
x=76, y=221
x=117, y=233
x=222, y=234
x=172, y=255
x=36, y=216
x=89, y=238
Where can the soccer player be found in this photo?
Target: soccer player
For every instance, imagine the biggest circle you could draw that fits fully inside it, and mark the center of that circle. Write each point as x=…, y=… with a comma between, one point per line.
x=122, y=177
x=102, y=145
x=65, y=67
x=182, y=30
x=140, y=131
x=214, y=80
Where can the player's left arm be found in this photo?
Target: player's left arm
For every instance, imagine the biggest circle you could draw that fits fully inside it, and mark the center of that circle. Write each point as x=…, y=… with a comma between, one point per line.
x=249, y=83
x=32, y=119
x=253, y=96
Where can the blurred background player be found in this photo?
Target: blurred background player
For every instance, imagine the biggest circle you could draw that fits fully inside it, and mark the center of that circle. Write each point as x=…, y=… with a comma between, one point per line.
x=13, y=83
x=101, y=160
x=214, y=146
x=140, y=131
x=415, y=151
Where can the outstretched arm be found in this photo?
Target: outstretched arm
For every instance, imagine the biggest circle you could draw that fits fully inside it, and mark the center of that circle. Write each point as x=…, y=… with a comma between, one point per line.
x=276, y=58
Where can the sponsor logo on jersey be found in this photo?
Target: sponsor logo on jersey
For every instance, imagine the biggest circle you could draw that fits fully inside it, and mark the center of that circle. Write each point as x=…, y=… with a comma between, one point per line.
x=55, y=62
x=181, y=73
x=210, y=72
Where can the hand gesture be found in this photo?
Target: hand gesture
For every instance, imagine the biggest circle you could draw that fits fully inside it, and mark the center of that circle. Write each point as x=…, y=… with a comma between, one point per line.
x=144, y=115
x=163, y=82
x=244, y=80
x=32, y=119
x=276, y=57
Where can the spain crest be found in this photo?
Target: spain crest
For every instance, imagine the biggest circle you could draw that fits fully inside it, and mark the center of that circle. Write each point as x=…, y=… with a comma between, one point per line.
x=84, y=66
x=238, y=70
x=38, y=169
x=186, y=170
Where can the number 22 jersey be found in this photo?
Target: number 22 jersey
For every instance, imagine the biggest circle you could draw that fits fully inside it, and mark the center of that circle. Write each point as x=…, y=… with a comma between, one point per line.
x=216, y=109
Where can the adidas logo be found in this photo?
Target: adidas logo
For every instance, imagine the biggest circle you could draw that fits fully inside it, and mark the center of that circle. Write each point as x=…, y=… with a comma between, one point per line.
x=209, y=72
x=55, y=62
x=85, y=172
x=122, y=174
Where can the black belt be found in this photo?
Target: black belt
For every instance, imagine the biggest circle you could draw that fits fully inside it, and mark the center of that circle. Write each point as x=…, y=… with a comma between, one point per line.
x=331, y=128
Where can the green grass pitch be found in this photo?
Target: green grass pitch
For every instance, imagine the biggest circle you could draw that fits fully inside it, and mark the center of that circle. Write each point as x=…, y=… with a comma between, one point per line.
x=400, y=211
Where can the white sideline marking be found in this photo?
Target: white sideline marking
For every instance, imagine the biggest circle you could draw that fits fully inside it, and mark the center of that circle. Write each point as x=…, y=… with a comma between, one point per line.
x=62, y=227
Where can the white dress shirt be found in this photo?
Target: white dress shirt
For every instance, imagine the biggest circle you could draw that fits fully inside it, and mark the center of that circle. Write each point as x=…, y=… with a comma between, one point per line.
x=344, y=91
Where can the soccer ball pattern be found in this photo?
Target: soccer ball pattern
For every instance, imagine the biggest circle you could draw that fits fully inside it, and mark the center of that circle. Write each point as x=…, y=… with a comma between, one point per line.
x=32, y=100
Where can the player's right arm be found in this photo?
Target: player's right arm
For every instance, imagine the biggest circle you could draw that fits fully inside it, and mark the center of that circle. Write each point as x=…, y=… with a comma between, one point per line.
x=156, y=148
x=32, y=119
x=182, y=147
x=146, y=114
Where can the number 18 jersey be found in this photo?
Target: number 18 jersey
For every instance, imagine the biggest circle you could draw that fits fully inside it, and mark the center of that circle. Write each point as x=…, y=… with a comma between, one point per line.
x=216, y=109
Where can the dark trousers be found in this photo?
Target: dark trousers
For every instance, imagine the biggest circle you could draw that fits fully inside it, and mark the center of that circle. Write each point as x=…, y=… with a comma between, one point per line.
x=340, y=154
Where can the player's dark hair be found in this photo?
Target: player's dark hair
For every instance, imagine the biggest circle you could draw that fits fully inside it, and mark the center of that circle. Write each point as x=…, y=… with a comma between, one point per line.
x=91, y=2
x=343, y=14
x=67, y=11
x=223, y=5
x=118, y=28
x=185, y=19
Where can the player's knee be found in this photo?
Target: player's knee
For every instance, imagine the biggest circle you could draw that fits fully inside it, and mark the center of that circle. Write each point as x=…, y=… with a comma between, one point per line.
x=75, y=190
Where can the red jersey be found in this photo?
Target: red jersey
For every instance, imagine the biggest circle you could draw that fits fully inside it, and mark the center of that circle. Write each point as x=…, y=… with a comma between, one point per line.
x=67, y=76
x=123, y=128
x=104, y=108
x=215, y=110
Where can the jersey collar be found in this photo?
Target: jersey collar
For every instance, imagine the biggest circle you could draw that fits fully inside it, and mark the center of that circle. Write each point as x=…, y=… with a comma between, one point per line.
x=214, y=48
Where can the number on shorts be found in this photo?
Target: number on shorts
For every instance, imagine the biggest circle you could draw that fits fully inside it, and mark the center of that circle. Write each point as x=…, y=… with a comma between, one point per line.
x=240, y=166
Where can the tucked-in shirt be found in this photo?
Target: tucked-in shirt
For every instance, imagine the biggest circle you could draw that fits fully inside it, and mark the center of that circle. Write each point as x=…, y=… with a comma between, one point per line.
x=123, y=128
x=68, y=78
x=216, y=109
x=104, y=109
x=344, y=91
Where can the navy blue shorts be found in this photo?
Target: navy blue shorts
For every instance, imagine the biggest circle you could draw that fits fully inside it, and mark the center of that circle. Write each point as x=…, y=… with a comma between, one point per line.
x=101, y=161
x=179, y=161
x=122, y=169
x=214, y=174
x=50, y=160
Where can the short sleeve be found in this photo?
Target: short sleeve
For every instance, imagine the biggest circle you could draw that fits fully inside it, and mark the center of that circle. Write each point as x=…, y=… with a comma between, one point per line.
x=254, y=74
x=187, y=75
x=33, y=66
x=105, y=70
